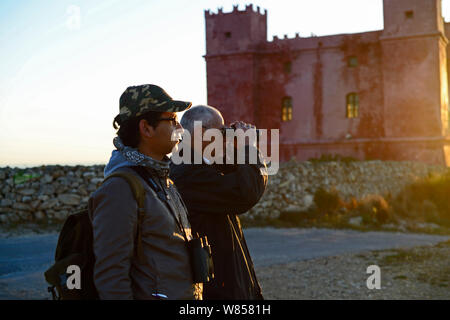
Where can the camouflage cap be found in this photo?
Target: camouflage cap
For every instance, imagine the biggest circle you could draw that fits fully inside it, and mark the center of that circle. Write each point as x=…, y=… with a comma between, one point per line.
x=137, y=100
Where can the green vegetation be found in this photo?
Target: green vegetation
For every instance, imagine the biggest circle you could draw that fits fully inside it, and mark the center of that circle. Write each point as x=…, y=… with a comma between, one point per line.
x=22, y=177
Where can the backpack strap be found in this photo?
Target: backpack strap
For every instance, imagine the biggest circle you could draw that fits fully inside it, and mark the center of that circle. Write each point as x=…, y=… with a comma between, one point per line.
x=139, y=195
x=161, y=194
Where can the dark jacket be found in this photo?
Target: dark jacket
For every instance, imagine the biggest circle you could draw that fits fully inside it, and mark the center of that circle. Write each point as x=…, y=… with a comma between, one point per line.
x=214, y=196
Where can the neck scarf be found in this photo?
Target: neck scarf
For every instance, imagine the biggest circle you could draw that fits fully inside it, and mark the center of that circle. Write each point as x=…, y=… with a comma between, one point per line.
x=160, y=168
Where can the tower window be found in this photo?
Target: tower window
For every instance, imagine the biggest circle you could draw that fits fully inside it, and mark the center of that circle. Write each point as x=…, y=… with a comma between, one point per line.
x=352, y=62
x=352, y=105
x=409, y=14
x=286, y=109
x=227, y=34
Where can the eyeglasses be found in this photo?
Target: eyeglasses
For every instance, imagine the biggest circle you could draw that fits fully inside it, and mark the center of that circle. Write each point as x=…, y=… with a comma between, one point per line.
x=174, y=119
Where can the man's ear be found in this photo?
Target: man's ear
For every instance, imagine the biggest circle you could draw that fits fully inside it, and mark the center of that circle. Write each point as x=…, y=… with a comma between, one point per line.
x=145, y=129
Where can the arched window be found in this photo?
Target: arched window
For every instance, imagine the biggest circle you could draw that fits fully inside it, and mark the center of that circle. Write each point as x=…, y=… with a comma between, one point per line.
x=286, y=109
x=352, y=105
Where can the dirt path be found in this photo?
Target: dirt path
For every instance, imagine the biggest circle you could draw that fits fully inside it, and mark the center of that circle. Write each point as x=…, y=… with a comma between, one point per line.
x=291, y=264
x=418, y=273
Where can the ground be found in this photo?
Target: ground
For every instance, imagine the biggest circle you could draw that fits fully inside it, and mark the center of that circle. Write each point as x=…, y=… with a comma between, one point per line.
x=417, y=273
x=291, y=263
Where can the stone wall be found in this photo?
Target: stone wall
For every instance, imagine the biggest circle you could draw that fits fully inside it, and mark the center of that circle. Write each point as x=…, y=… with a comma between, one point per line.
x=293, y=188
x=53, y=192
x=47, y=192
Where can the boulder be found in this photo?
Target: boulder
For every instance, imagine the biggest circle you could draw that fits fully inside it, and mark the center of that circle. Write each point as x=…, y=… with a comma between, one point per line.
x=69, y=199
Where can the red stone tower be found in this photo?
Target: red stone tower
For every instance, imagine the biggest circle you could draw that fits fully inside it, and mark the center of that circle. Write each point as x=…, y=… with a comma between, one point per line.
x=232, y=43
x=373, y=95
x=415, y=77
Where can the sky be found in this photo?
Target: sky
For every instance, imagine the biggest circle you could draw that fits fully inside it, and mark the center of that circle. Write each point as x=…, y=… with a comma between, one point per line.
x=64, y=64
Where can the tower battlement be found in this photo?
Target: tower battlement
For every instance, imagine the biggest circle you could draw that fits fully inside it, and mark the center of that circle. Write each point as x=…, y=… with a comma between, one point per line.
x=248, y=9
x=235, y=31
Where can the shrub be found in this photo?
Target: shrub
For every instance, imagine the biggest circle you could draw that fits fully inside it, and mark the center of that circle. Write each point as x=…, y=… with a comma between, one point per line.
x=374, y=210
x=327, y=202
x=426, y=200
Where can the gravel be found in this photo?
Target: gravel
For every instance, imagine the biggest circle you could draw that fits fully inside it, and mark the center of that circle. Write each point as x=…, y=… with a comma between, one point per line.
x=417, y=273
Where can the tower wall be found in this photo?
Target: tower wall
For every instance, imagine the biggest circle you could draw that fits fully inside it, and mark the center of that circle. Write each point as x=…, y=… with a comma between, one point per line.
x=232, y=42
x=412, y=54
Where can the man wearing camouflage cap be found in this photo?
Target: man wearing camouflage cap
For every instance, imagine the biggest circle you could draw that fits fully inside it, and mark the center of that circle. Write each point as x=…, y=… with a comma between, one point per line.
x=147, y=121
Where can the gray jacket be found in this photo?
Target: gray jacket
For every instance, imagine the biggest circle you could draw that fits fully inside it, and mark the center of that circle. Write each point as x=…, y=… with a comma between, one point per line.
x=166, y=270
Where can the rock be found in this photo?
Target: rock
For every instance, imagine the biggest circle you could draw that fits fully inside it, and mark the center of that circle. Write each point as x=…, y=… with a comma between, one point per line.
x=293, y=209
x=49, y=204
x=6, y=203
x=47, y=178
x=47, y=190
x=63, y=181
x=61, y=214
x=308, y=200
x=6, y=189
x=35, y=204
x=89, y=175
x=25, y=215
x=39, y=215
x=27, y=199
x=12, y=217
x=57, y=173
x=82, y=191
x=43, y=197
x=50, y=213
x=21, y=206
x=27, y=192
x=5, y=210
x=97, y=181
x=356, y=221
x=69, y=199
x=4, y=218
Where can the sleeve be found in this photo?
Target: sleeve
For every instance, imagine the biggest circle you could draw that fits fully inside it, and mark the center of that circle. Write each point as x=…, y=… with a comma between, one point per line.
x=210, y=191
x=114, y=222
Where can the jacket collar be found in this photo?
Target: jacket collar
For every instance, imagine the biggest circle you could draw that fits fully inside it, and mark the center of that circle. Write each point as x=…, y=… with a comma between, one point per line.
x=125, y=156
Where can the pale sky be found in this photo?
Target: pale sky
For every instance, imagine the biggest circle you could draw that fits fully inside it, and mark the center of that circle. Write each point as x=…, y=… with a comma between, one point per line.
x=64, y=64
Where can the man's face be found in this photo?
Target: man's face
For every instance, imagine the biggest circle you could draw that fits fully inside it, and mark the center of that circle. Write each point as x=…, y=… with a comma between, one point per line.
x=165, y=130
x=216, y=123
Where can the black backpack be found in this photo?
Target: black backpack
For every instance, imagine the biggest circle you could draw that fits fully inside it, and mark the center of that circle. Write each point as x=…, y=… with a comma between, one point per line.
x=75, y=247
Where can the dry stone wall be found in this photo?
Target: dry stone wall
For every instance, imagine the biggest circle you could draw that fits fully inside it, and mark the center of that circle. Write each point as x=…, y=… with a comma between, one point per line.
x=53, y=192
x=293, y=188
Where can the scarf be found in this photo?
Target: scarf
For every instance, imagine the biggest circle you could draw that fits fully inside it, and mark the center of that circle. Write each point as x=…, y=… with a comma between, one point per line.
x=160, y=168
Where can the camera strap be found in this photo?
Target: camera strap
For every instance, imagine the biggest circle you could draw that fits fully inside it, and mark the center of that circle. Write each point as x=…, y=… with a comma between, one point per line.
x=162, y=195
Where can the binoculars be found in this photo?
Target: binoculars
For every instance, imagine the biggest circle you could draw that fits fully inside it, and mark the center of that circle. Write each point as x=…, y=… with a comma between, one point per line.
x=201, y=260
